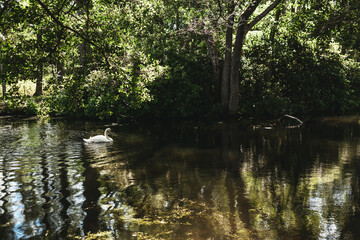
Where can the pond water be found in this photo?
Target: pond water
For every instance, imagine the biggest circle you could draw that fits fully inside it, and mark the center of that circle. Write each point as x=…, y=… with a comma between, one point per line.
x=180, y=181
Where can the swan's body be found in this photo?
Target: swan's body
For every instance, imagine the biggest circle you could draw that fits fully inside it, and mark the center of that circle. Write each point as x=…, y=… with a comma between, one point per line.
x=100, y=138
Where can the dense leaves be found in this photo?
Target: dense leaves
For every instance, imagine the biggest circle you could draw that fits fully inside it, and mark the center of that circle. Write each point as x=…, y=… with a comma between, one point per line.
x=123, y=59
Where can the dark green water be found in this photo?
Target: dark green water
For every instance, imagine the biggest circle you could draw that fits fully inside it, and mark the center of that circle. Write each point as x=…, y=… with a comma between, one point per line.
x=184, y=181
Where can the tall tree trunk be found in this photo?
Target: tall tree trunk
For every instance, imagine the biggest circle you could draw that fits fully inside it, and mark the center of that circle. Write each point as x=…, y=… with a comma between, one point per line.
x=39, y=79
x=39, y=69
x=3, y=83
x=82, y=53
x=235, y=68
x=242, y=30
x=83, y=47
x=59, y=72
x=2, y=75
x=227, y=59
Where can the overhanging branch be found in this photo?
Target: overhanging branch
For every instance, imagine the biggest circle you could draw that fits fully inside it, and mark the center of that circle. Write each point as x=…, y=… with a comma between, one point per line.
x=61, y=24
x=263, y=14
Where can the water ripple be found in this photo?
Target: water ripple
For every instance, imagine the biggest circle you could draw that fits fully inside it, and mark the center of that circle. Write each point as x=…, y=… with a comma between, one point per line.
x=224, y=183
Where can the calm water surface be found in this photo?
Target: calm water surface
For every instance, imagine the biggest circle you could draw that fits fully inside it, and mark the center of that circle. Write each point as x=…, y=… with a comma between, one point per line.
x=182, y=181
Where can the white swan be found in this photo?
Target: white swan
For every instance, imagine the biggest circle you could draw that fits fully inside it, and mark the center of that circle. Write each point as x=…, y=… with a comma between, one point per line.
x=100, y=138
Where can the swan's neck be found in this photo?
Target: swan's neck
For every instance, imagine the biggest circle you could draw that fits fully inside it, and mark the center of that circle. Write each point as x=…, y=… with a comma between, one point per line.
x=106, y=133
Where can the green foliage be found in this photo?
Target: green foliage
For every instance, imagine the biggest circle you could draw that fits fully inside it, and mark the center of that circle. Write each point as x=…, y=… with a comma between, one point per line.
x=116, y=59
x=30, y=107
x=176, y=98
x=184, y=92
x=305, y=80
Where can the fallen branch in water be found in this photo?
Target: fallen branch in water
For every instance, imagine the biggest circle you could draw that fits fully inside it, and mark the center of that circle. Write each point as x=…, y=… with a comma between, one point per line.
x=295, y=118
x=289, y=116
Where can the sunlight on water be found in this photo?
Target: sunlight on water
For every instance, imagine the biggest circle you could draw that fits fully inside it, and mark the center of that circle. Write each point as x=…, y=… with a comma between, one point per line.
x=184, y=181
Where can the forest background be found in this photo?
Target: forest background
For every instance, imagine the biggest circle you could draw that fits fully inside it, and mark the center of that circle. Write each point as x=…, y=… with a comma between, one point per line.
x=125, y=59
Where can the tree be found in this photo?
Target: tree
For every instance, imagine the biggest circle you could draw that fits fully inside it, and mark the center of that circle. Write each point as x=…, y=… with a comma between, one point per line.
x=39, y=68
x=240, y=18
x=10, y=16
x=227, y=58
x=243, y=27
x=2, y=80
x=203, y=57
x=83, y=12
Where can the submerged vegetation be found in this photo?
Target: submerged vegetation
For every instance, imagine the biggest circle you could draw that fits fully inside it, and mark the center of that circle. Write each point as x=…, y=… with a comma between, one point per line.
x=179, y=59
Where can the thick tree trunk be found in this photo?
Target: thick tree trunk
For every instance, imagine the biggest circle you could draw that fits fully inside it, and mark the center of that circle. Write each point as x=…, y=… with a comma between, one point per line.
x=82, y=54
x=227, y=59
x=235, y=68
x=83, y=47
x=39, y=70
x=3, y=84
x=39, y=79
x=242, y=30
x=60, y=72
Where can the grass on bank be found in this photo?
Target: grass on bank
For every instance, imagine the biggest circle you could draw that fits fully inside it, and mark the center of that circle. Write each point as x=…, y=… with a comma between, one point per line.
x=25, y=104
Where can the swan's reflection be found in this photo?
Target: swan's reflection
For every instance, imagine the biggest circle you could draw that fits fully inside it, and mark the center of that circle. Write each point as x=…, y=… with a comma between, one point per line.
x=98, y=150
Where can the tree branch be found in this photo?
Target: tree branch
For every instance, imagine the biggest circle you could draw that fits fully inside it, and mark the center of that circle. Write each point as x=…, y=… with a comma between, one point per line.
x=301, y=123
x=61, y=7
x=248, y=11
x=220, y=8
x=61, y=24
x=263, y=14
x=295, y=118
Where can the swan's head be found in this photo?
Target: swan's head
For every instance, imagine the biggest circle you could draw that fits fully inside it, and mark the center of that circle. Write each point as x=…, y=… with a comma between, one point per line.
x=107, y=131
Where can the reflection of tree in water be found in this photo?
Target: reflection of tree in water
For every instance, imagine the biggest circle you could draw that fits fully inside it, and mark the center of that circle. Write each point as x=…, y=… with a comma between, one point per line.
x=280, y=184
x=307, y=191
x=36, y=163
x=204, y=182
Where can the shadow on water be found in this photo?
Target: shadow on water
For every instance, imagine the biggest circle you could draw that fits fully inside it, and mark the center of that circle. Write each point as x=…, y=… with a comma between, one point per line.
x=181, y=181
